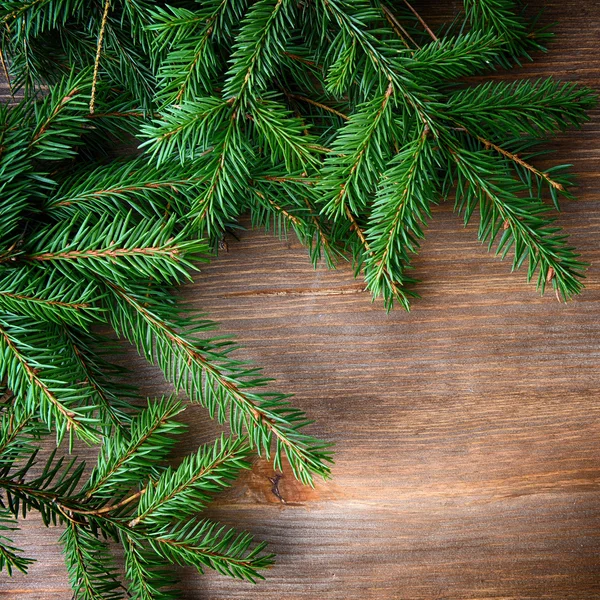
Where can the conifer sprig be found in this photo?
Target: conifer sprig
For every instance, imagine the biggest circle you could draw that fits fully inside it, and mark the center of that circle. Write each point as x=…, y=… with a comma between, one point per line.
x=91, y=239
x=131, y=496
x=344, y=122
x=376, y=71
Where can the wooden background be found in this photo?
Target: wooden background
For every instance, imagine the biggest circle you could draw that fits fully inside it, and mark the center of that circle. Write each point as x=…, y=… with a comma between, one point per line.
x=467, y=431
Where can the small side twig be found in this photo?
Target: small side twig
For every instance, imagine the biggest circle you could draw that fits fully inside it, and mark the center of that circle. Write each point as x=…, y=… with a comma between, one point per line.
x=318, y=104
x=517, y=159
x=425, y=26
x=6, y=73
x=397, y=27
x=98, y=53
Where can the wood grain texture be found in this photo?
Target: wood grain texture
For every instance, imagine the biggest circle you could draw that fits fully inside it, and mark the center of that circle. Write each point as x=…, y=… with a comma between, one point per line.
x=467, y=431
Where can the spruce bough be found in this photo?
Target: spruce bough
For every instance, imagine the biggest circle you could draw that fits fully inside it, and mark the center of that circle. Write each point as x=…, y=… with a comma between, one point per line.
x=342, y=121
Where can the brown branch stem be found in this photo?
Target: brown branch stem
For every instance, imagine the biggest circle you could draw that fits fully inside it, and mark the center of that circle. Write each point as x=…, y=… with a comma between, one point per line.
x=73, y=305
x=397, y=27
x=318, y=104
x=98, y=53
x=420, y=19
x=110, y=507
x=105, y=253
x=517, y=159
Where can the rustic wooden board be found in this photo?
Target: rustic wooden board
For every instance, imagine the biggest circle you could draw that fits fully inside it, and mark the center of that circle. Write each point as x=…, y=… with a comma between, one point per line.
x=467, y=431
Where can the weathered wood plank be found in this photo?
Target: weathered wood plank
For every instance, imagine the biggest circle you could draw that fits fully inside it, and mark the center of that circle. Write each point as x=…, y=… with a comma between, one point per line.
x=467, y=431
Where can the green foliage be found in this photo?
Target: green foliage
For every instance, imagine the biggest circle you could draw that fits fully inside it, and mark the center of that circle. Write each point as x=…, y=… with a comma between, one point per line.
x=344, y=122
x=359, y=153
x=523, y=108
x=363, y=81
x=130, y=496
x=400, y=210
x=10, y=557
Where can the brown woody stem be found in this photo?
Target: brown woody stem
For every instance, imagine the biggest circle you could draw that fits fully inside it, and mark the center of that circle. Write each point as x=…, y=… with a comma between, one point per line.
x=425, y=26
x=98, y=53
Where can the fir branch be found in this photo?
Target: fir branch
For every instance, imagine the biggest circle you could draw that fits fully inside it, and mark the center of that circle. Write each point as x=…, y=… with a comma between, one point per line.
x=453, y=57
x=145, y=571
x=522, y=225
x=94, y=374
x=294, y=199
x=283, y=134
x=263, y=33
x=207, y=545
x=226, y=172
x=125, y=459
x=28, y=370
x=181, y=493
x=133, y=186
x=532, y=108
x=18, y=431
x=60, y=119
x=354, y=20
x=47, y=298
x=347, y=173
x=11, y=558
x=499, y=17
x=112, y=248
x=92, y=573
x=192, y=62
x=401, y=207
x=191, y=125
x=211, y=378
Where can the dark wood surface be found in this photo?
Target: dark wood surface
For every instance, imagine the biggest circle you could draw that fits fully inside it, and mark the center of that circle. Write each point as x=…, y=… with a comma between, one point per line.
x=467, y=431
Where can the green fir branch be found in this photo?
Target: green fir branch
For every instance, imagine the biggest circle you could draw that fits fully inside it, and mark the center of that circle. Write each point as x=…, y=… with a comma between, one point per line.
x=342, y=122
